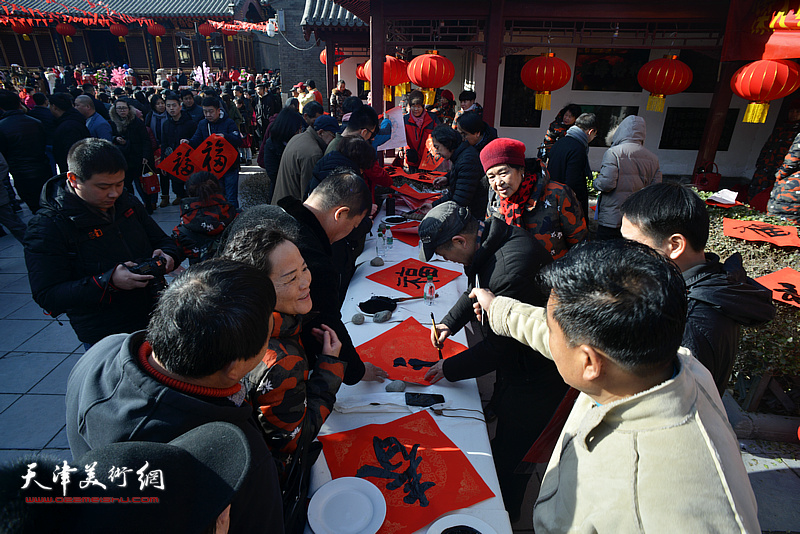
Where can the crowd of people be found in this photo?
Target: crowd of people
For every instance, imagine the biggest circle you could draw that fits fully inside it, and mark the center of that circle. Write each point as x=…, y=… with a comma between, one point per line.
x=583, y=331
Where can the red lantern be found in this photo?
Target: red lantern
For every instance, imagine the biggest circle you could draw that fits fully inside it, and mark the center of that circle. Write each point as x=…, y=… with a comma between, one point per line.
x=229, y=33
x=67, y=30
x=762, y=81
x=544, y=74
x=205, y=29
x=22, y=28
x=394, y=74
x=431, y=71
x=157, y=31
x=120, y=30
x=338, y=56
x=662, y=77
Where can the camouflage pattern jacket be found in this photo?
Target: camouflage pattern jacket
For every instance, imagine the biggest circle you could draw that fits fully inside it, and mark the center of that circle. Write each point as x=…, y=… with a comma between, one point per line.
x=285, y=392
x=771, y=156
x=784, y=201
x=553, y=215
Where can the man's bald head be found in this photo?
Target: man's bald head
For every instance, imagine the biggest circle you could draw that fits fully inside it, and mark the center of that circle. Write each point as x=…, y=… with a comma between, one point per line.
x=84, y=105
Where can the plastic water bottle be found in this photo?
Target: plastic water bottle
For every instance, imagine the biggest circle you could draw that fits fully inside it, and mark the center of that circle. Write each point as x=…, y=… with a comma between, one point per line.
x=429, y=292
x=389, y=239
x=380, y=246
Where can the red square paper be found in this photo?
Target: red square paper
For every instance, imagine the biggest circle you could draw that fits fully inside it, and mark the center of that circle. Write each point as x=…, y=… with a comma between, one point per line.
x=405, y=352
x=409, y=276
x=785, y=285
x=215, y=155
x=407, y=232
x=432, y=474
x=179, y=163
x=782, y=236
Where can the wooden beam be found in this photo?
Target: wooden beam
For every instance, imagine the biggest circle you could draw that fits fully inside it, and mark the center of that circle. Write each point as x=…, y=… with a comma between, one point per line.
x=377, y=52
x=715, y=123
x=494, y=47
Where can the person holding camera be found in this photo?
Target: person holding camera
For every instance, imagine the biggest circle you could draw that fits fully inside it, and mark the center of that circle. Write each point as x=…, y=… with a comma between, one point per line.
x=92, y=250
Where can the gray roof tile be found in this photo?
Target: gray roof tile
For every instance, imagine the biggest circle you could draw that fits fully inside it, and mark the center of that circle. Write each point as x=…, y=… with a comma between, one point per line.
x=140, y=8
x=325, y=13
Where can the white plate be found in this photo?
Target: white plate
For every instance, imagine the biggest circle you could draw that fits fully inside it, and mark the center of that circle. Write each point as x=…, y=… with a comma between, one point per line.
x=347, y=505
x=394, y=220
x=456, y=520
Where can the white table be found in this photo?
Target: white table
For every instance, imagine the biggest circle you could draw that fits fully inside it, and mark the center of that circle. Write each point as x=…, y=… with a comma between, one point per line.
x=468, y=434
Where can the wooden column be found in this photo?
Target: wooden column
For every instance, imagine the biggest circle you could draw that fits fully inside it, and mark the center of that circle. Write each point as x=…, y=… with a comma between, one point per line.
x=377, y=52
x=330, y=62
x=494, y=47
x=720, y=103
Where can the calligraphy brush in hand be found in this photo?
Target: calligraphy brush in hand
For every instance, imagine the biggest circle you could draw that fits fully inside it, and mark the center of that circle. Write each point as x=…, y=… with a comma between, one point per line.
x=436, y=336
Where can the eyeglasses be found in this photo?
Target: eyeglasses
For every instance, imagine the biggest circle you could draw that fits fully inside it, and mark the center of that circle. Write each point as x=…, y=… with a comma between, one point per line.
x=373, y=133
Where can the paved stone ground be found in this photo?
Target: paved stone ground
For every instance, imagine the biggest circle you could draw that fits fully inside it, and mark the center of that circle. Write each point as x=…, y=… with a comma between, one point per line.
x=37, y=354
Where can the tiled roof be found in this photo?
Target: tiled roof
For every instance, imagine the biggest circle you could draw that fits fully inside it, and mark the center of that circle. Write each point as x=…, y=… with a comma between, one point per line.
x=325, y=13
x=140, y=8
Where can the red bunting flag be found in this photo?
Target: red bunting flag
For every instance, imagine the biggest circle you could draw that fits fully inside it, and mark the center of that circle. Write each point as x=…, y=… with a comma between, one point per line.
x=782, y=236
x=785, y=285
x=421, y=473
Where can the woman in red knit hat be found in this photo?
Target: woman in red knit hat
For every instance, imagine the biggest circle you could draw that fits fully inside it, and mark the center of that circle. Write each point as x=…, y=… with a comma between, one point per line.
x=528, y=199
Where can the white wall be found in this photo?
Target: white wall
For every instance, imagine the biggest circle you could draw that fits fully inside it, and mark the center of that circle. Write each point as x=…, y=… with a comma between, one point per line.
x=738, y=160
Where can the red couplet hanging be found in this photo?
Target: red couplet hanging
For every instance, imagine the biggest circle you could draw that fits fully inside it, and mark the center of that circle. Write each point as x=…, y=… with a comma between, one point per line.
x=762, y=81
x=662, y=77
x=119, y=30
x=157, y=31
x=544, y=74
x=430, y=71
x=67, y=30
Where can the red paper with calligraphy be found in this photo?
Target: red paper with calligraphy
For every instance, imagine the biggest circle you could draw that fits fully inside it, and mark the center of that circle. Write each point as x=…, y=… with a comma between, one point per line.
x=419, y=470
x=179, y=163
x=785, y=285
x=405, y=352
x=409, y=276
x=782, y=236
x=430, y=160
x=426, y=177
x=407, y=232
x=215, y=155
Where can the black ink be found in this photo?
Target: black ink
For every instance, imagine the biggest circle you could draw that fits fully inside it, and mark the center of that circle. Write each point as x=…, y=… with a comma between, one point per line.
x=400, y=362
x=765, y=230
x=385, y=450
x=789, y=292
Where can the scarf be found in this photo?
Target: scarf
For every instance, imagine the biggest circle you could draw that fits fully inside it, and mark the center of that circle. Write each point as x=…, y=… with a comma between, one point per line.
x=417, y=120
x=513, y=207
x=580, y=135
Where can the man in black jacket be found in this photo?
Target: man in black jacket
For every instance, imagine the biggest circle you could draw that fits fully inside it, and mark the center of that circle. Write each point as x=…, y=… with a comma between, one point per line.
x=505, y=260
x=466, y=185
x=79, y=246
x=673, y=220
x=70, y=128
x=22, y=142
x=210, y=329
x=180, y=125
x=568, y=162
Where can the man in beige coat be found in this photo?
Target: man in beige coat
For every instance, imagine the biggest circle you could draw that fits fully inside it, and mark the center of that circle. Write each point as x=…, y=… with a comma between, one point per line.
x=647, y=446
x=299, y=157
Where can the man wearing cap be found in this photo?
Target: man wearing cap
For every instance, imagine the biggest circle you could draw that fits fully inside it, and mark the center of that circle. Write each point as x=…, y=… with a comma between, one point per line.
x=529, y=200
x=528, y=389
x=211, y=327
x=299, y=157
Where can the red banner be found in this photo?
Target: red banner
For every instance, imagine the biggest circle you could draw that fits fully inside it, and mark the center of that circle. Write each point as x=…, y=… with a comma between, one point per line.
x=409, y=276
x=782, y=236
x=419, y=470
x=785, y=285
x=179, y=164
x=215, y=155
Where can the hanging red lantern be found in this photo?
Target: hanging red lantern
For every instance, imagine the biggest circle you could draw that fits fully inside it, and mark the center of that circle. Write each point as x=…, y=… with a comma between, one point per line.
x=762, y=81
x=338, y=56
x=229, y=33
x=431, y=71
x=394, y=74
x=544, y=74
x=119, y=30
x=67, y=30
x=157, y=31
x=361, y=75
x=22, y=28
x=205, y=29
x=664, y=76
